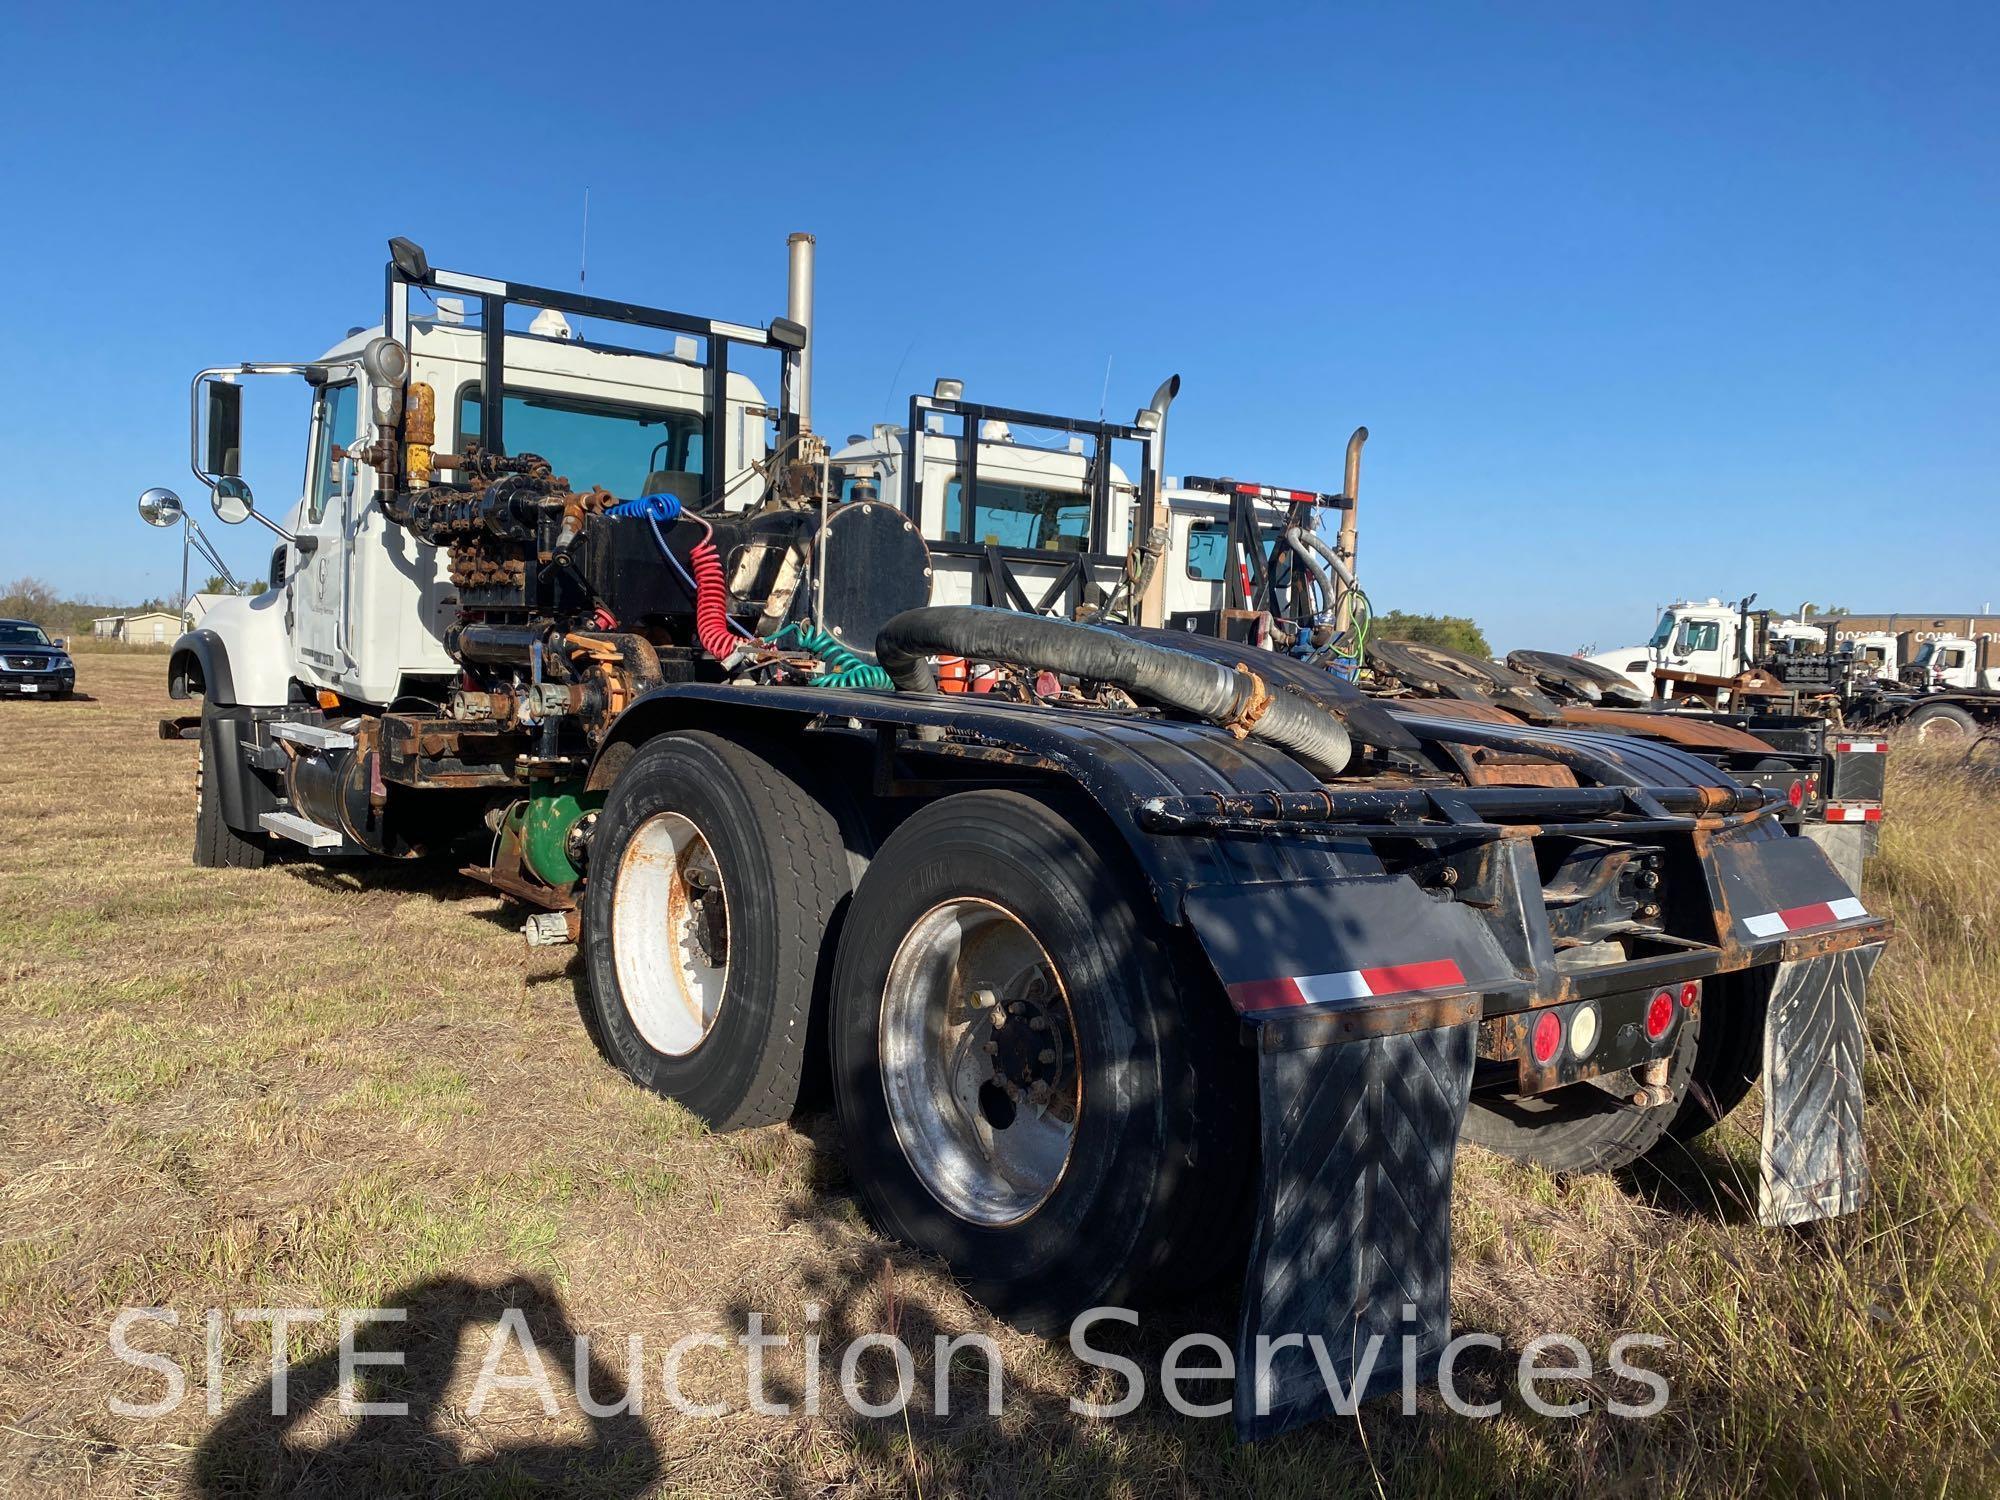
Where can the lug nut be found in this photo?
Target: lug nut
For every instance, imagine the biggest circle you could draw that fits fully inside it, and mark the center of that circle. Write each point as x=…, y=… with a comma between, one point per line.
x=991, y=1049
x=1046, y=1055
x=1038, y=1023
x=981, y=999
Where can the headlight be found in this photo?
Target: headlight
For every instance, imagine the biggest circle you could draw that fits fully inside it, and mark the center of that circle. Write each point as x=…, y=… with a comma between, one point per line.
x=60, y=661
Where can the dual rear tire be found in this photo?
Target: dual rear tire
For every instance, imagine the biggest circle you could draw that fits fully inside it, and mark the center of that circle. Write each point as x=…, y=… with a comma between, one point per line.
x=1028, y=1082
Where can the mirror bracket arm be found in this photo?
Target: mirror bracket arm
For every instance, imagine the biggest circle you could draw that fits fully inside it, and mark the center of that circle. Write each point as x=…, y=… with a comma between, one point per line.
x=276, y=530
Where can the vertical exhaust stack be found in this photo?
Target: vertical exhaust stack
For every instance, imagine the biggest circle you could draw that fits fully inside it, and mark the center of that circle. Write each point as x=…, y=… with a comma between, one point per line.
x=1344, y=545
x=1151, y=606
x=799, y=308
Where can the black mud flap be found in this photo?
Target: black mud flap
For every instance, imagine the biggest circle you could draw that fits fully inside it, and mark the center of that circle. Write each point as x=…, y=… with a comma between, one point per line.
x=1813, y=1164
x=1353, y=1223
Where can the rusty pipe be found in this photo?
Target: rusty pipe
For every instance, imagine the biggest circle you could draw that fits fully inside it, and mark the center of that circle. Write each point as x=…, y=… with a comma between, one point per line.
x=1344, y=547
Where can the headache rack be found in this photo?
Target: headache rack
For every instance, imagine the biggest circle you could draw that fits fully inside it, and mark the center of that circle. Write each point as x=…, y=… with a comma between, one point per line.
x=999, y=588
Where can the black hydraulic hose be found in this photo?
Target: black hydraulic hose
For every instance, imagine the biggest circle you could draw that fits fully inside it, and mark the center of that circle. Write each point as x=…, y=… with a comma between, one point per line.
x=1236, y=698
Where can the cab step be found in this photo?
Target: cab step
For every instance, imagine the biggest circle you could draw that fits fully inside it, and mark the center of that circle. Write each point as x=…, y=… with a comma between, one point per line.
x=313, y=736
x=301, y=830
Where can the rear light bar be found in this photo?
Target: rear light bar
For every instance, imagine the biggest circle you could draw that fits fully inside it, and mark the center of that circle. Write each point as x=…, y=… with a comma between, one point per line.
x=1265, y=492
x=1559, y=1044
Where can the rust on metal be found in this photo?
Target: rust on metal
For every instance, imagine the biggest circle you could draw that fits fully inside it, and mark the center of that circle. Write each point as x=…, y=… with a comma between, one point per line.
x=1395, y=1018
x=1675, y=728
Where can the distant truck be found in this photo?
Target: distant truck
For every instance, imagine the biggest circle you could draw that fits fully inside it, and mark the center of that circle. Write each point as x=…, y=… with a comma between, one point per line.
x=1938, y=675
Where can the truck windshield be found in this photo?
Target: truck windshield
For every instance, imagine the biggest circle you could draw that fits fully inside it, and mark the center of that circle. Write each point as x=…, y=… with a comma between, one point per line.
x=1014, y=515
x=1924, y=656
x=1663, y=632
x=630, y=450
x=1208, y=549
x=22, y=635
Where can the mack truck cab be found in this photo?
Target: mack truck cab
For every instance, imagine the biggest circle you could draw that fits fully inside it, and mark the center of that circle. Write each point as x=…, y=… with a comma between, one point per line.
x=1714, y=639
x=359, y=608
x=1954, y=661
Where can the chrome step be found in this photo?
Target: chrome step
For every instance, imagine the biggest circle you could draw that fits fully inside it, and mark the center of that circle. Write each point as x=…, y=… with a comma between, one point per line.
x=313, y=736
x=301, y=830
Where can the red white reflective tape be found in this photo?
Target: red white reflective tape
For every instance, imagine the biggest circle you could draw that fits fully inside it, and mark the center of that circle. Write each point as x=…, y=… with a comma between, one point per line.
x=1840, y=812
x=1346, y=986
x=1269, y=492
x=1860, y=747
x=1799, y=918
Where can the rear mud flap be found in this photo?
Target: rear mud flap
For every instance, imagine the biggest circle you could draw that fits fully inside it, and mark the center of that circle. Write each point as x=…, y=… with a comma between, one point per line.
x=1353, y=1224
x=1813, y=1165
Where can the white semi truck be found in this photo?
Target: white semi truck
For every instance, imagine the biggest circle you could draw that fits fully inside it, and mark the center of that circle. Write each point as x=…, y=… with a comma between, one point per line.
x=1937, y=675
x=1150, y=964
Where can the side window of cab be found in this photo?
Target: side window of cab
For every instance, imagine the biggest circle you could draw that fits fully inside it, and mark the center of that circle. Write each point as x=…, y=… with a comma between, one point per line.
x=334, y=416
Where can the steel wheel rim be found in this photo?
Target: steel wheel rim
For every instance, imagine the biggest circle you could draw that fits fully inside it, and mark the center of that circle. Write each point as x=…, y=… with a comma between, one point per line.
x=983, y=1099
x=1940, y=730
x=670, y=934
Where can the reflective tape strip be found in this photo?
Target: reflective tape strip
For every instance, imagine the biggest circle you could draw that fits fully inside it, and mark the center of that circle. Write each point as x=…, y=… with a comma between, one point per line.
x=1838, y=812
x=1799, y=918
x=1346, y=986
x=1860, y=747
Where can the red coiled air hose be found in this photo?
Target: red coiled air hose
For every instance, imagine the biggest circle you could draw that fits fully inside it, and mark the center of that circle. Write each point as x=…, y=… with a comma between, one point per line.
x=711, y=601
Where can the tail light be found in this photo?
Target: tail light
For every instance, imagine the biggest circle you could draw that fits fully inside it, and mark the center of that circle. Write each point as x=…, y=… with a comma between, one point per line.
x=1797, y=795
x=1690, y=992
x=1548, y=1036
x=1660, y=1014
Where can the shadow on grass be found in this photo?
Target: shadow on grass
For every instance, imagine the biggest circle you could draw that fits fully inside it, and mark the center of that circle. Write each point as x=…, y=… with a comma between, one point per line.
x=947, y=1437
x=251, y=1452
x=437, y=878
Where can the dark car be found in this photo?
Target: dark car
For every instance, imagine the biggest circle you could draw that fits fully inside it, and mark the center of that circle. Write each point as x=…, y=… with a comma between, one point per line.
x=31, y=665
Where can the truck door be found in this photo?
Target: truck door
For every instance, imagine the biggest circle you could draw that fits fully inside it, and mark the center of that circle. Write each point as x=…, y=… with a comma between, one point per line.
x=320, y=578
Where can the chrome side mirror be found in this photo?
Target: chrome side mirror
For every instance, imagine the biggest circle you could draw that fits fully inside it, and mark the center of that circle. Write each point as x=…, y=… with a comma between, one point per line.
x=231, y=501
x=161, y=507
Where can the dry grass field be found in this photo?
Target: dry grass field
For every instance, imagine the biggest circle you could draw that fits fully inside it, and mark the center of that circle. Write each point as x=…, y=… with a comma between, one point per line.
x=329, y=1086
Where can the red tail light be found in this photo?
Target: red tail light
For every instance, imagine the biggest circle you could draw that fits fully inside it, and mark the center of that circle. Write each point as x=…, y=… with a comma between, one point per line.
x=1548, y=1036
x=1797, y=795
x=1660, y=1015
x=1690, y=992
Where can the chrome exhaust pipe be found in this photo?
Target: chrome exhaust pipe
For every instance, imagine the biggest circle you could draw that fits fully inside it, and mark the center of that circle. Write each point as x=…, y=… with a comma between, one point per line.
x=799, y=308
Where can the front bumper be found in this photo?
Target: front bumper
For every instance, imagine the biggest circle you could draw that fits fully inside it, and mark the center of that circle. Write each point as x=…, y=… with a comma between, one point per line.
x=36, y=683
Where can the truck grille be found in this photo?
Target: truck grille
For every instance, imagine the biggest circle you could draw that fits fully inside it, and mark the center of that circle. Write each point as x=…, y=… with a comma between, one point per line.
x=25, y=663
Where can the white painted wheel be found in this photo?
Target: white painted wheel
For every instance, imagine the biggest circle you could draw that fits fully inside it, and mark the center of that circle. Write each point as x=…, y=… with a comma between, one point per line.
x=670, y=934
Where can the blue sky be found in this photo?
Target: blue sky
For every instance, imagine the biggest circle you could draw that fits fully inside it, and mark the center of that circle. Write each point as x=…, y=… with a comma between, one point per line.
x=1637, y=301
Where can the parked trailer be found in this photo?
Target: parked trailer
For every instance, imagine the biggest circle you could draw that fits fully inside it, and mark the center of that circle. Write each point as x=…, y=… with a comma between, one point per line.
x=1082, y=947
